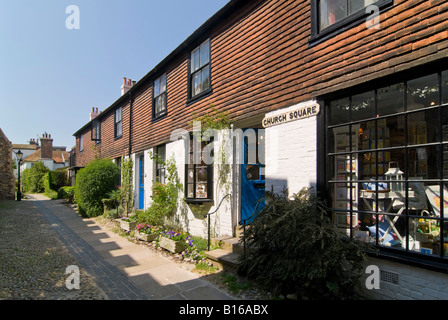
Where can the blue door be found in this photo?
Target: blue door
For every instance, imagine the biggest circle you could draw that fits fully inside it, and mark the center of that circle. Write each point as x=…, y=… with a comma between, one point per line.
x=252, y=175
x=141, y=183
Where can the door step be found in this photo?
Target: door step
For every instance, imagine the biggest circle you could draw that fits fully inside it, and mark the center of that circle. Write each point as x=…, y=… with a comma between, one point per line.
x=226, y=257
x=223, y=259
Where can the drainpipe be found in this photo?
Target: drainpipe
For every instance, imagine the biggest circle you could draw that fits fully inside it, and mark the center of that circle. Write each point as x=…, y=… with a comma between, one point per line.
x=130, y=123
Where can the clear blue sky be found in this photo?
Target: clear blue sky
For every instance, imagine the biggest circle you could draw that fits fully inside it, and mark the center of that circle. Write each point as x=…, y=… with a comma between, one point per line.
x=51, y=77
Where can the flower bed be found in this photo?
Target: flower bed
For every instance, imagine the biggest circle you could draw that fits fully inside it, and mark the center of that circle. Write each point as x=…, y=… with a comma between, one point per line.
x=146, y=232
x=127, y=224
x=172, y=241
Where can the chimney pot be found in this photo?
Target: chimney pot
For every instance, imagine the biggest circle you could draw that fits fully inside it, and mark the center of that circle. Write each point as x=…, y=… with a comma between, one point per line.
x=124, y=80
x=133, y=82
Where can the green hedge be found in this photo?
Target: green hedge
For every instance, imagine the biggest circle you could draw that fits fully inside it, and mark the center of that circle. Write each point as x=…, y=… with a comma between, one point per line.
x=33, y=179
x=67, y=193
x=93, y=183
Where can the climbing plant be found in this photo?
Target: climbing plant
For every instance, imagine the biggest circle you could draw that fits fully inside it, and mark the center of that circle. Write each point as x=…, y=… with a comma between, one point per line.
x=165, y=195
x=212, y=121
x=127, y=185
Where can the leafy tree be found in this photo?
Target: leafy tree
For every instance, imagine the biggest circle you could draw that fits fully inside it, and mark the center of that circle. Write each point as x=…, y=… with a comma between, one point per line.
x=32, y=178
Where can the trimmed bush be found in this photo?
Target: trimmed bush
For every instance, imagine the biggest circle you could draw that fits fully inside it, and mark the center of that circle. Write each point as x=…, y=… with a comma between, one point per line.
x=67, y=193
x=93, y=183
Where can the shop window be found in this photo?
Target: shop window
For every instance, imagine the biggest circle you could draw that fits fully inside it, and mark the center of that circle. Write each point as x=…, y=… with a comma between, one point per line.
x=118, y=128
x=159, y=102
x=388, y=156
x=200, y=70
x=199, y=173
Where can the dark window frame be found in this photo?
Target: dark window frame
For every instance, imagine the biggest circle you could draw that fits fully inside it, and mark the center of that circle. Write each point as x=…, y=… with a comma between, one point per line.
x=191, y=74
x=194, y=167
x=436, y=262
x=162, y=95
x=118, y=122
x=159, y=168
x=344, y=24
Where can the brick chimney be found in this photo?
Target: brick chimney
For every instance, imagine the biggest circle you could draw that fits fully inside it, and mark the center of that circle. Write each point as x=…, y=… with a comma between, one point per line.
x=127, y=84
x=46, y=146
x=94, y=113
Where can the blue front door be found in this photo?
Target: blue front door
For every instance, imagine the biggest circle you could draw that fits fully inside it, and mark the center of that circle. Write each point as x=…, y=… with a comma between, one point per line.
x=141, y=183
x=252, y=175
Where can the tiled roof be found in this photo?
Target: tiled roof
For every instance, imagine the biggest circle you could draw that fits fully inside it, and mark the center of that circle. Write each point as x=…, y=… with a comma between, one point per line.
x=24, y=146
x=58, y=156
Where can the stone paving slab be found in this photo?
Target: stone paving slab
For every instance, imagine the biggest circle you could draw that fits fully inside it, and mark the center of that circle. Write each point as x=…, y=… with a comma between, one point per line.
x=122, y=269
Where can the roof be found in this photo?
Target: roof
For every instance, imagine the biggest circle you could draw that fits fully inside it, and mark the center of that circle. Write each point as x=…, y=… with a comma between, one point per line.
x=24, y=146
x=58, y=156
x=192, y=41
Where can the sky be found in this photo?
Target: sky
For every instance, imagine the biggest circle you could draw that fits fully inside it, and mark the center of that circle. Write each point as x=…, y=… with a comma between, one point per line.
x=52, y=73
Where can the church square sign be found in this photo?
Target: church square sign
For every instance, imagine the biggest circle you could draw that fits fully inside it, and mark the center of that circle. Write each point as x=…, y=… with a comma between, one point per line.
x=301, y=112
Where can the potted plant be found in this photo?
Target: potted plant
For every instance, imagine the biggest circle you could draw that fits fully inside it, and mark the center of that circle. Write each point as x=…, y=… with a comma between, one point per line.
x=145, y=232
x=127, y=224
x=172, y=241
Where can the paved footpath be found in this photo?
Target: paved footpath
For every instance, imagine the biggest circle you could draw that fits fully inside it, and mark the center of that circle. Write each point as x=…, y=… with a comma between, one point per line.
x=122, y=269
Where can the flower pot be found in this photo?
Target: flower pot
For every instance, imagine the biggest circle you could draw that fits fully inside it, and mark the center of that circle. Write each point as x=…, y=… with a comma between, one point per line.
x=148, y=237
x=128, y=225
x=172, y=245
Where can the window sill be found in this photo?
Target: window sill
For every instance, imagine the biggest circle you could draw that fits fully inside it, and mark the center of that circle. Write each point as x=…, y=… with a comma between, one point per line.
x=117, y=138
x=159, y=117
x=197, y=201
x=199, y=96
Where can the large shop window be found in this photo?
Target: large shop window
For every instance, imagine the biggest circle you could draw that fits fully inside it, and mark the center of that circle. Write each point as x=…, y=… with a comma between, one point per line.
x=388, y=165
x=199, y=174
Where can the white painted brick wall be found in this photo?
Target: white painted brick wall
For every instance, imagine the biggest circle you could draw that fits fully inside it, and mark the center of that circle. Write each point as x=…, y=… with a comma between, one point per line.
x=192, y=220
x=413, y=283
x=291, y=153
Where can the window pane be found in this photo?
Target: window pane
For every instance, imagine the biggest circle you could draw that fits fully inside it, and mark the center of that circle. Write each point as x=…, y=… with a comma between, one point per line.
x=393, y=130
x=390, y=99
x=363, y=106
x=205, y=53
x=445, y=87
x=195, y=63
x=355, y=5
x=423, y=127
x=423, y=92
x=156, y=87
x=331, y=11
x=163, y=83
x=190, y=191
x=119, y=130
x=205, y=78
x=339, y=111
x=196, y=85
x=201, y=174
x=201, y=190
x=367, y=135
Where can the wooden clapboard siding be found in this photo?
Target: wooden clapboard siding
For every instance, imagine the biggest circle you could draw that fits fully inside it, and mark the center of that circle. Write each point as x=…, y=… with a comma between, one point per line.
x=262, y=60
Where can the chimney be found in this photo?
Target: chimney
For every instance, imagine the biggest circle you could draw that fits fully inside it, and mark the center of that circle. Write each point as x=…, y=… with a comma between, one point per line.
x=94, y=113
x=46, y=146
x=127, y=84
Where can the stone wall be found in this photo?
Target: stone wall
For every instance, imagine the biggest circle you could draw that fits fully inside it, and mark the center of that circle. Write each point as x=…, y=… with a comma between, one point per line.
x=7, y=180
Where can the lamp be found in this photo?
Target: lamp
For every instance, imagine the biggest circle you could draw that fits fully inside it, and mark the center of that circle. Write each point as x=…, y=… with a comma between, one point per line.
x=19, y=155
x=394, y=177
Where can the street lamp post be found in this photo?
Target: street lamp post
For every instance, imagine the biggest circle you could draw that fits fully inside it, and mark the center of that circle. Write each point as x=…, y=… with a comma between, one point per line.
x=19, y=156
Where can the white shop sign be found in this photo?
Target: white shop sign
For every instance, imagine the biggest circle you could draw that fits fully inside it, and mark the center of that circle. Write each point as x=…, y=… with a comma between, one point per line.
x=292, y=115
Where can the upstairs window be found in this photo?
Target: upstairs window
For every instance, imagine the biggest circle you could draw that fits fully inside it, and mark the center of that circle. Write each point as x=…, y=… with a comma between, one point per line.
x=81, y=143
x=330, y=17
x=118, y=123
x=159, y=106
x=200, y=70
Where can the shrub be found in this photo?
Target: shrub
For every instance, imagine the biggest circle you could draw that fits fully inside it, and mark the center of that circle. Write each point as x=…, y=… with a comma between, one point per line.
x=293, y=247
x=32, y=179
x=67, y=193
x=93, y=183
